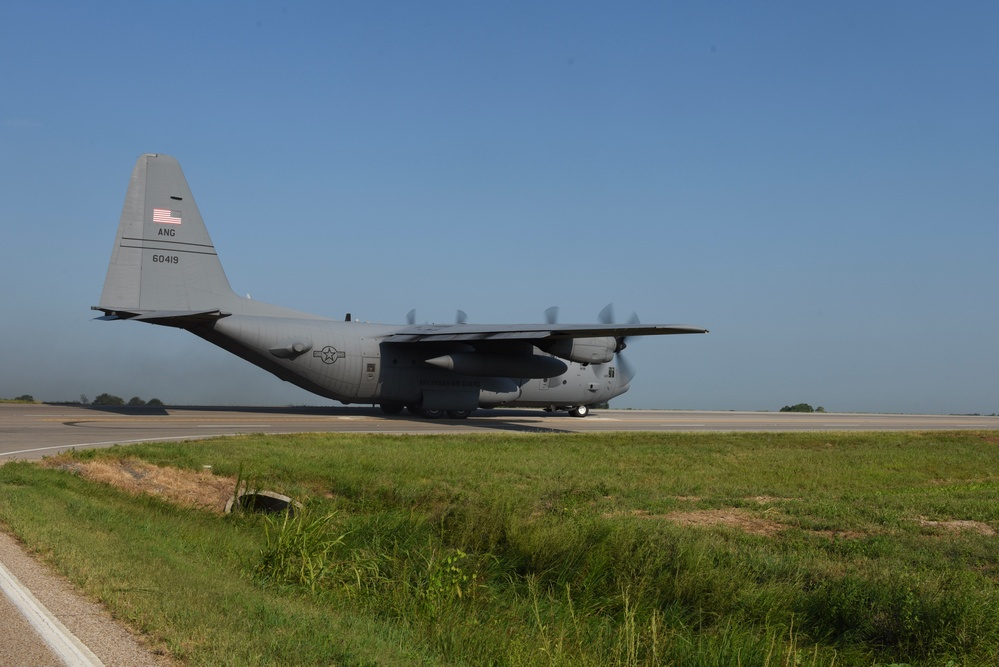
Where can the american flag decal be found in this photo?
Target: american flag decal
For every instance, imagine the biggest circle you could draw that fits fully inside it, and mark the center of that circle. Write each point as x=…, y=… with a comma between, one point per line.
x=165, y=216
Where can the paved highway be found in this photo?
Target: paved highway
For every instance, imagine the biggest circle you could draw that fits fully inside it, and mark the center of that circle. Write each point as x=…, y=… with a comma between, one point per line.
x=33, y=431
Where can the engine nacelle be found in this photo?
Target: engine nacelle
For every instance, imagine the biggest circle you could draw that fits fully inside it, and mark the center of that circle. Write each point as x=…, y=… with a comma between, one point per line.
x=584, y=350
x=500, y=365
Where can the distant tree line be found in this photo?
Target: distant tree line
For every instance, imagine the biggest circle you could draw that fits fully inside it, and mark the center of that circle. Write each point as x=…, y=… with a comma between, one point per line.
x=111, y=399
x=23, y=398
x=802, y=407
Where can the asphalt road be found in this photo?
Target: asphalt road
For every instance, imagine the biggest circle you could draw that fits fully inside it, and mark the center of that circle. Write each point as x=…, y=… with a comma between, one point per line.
x=34, y=431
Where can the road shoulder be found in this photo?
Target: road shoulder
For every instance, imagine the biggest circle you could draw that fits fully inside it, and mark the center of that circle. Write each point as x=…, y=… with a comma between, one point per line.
x=109, y=640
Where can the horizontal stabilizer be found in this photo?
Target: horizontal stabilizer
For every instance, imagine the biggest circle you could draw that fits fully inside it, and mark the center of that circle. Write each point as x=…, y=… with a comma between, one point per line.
x=172, y=318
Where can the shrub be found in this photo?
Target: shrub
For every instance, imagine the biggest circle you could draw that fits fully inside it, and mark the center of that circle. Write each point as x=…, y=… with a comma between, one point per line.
x=108, y=399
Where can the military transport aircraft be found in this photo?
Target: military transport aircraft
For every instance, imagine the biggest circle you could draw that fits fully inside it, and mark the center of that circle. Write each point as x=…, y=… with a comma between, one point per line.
x=164, y=270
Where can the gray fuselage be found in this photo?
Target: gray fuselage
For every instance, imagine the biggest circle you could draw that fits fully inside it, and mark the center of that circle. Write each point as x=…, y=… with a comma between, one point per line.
x=352, y=362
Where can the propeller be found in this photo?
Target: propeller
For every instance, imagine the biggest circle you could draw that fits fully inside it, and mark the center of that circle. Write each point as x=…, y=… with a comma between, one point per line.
x=606, y=316
x=459, y=318
x=627, y=370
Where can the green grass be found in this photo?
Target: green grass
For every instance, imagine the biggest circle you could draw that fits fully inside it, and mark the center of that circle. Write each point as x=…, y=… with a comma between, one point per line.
x=547, y=549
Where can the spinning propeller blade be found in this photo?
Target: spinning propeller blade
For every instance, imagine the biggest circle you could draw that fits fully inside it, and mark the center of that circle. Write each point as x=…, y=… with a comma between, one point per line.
x=606, y=316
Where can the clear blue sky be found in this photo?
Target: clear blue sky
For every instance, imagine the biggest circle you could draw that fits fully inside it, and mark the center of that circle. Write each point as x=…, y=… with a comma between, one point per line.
x=817, y=183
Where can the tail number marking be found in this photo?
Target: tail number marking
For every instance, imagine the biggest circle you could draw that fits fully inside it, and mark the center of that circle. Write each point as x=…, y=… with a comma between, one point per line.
x=166, y=259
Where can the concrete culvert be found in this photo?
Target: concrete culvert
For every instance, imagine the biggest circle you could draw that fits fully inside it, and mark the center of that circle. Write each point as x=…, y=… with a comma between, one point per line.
x=263, y=501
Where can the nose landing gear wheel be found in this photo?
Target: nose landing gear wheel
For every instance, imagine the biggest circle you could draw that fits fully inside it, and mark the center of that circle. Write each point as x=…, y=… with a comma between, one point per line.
x=579, y=411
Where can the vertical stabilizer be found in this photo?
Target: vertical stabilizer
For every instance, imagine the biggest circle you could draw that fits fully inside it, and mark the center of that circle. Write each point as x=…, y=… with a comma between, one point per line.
x=163, y=258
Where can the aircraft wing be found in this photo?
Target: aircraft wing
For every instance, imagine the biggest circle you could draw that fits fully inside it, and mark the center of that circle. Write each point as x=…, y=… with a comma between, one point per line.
x=529, y=332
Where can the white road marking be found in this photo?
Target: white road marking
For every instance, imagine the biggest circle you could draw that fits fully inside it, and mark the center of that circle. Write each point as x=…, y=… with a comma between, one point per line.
x=193, y=436
x=63, y=643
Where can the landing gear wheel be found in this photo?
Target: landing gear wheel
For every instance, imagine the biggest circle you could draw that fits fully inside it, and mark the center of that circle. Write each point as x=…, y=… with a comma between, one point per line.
x=458, y=414
x=391, y=407
x=428, y=413
x=579, y=411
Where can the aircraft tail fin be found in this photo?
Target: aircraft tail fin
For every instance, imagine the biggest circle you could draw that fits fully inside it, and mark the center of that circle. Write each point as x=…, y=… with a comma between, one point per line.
x=163, y=258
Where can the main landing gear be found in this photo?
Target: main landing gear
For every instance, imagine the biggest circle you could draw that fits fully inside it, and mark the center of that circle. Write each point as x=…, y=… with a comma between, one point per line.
x=394, y=408
x=391, y=407
x=428, y=413
x=577, y=411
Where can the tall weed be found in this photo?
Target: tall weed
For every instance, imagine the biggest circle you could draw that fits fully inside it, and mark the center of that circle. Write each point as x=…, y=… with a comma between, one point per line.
x=297, y=549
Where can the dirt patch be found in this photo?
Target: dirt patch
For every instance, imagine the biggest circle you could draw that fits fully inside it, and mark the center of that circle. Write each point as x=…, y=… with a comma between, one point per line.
x=731, y=517
x=634, y=514
x=956, y=525
x=202, y=490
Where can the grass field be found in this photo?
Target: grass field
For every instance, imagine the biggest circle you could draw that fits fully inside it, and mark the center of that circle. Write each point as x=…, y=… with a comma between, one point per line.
x=627, y=549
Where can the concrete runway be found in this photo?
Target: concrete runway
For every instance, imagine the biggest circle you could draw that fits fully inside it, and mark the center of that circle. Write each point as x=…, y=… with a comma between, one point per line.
x=33, y=431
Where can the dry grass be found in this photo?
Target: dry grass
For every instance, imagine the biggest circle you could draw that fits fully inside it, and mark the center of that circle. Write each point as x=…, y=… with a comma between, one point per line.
x=201, y=490
x=958, y=525
x=730, y=517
